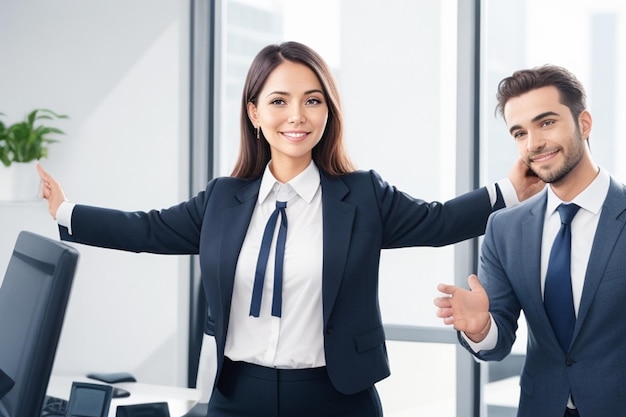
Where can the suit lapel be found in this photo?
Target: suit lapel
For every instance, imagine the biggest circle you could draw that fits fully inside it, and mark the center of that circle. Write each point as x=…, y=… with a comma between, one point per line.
x=610, y=227
x=235, y=222
x=532, y=231
x=338, y=218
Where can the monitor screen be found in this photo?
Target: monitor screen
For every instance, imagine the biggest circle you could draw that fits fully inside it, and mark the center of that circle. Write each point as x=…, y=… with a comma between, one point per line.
x=89, y=400
x=159, y=409
x=33, y=299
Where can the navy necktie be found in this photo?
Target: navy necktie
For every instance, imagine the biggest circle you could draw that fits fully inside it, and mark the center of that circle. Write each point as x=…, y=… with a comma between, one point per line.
x=264, y=253
x=558, y=299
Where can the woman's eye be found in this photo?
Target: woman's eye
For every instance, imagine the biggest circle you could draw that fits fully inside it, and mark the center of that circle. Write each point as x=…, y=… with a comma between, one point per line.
x=313, y=101
x=277, y=101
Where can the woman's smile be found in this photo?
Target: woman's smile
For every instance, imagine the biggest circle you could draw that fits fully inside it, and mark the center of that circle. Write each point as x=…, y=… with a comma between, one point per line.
x=295, y=136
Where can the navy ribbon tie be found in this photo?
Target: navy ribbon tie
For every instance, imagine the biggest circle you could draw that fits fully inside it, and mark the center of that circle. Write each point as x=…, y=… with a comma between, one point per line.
x=264, y=253
x=558, y=298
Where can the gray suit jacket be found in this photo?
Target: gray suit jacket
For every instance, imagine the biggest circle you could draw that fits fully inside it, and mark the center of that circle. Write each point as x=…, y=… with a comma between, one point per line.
x=594, y=368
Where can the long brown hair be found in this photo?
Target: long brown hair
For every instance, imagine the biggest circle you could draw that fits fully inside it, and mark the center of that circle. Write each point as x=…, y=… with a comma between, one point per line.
x=329, y=154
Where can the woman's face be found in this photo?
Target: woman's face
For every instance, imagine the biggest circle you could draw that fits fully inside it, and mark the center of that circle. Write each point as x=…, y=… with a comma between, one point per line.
x=292, y=112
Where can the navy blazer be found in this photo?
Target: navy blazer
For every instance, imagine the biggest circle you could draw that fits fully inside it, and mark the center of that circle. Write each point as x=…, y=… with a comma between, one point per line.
x=594, y=368
x=362, y=214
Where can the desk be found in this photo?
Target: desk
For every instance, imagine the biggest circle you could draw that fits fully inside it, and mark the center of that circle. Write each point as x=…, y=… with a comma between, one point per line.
x=179, y=400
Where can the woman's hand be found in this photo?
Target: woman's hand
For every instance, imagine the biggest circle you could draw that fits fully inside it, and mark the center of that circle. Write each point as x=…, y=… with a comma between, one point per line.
x=52, y=191
x=525, y=181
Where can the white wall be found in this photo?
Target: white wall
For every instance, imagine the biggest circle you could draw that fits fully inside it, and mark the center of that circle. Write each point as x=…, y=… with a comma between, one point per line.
x=119, y=70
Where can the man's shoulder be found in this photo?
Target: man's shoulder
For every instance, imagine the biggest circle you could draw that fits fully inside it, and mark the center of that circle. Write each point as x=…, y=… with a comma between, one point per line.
x=532, y=205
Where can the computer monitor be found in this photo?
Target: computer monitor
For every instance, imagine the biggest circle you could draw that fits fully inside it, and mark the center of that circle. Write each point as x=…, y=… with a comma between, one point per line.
x=160, y=409
x=89, y=400
x=33, y=299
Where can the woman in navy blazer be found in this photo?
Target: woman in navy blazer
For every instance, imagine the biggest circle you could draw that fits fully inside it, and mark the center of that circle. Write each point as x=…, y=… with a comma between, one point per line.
x=291, y=133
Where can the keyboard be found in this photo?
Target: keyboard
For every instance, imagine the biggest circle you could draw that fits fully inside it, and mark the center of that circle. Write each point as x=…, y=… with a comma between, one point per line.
x=53, y=407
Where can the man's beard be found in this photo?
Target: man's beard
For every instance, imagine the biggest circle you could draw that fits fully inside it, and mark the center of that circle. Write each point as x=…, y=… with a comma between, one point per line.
x=571, y=161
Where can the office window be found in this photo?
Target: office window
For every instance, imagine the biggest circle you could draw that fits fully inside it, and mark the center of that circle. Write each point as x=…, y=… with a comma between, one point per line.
x=586, y=40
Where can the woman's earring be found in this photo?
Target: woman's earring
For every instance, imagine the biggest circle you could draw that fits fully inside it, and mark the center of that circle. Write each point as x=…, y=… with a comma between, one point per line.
x=258, y=132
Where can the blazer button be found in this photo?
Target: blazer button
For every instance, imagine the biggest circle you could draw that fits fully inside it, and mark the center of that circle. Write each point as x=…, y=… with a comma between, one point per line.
x=569, y=361
x=330, y=330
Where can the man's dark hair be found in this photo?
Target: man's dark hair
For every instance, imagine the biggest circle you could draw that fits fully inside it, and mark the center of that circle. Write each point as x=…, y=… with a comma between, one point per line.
x=571, y=91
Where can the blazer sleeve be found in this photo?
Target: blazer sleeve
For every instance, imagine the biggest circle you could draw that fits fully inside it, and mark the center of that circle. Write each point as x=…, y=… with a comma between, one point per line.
x=175, y=230
x=409, y=221
x=504, y=305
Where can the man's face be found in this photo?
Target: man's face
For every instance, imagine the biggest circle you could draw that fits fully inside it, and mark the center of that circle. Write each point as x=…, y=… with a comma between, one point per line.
x=548, y=138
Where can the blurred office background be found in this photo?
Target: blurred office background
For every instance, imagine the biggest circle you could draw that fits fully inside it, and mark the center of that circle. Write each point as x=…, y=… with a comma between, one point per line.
x=152, y=88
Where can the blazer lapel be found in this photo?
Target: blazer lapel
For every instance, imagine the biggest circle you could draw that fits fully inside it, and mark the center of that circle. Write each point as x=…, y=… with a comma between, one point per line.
x=338, y=218
x=610, y=227
x=233, y=229
x=532, y=231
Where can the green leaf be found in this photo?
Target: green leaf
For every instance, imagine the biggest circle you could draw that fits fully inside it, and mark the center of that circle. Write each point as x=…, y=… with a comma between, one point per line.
x=27, y=140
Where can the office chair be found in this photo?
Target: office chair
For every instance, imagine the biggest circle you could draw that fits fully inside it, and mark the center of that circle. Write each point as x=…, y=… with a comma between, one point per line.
x=33, y=300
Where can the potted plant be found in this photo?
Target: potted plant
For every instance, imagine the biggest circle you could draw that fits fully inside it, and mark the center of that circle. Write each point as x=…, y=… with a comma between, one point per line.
x=22, y=144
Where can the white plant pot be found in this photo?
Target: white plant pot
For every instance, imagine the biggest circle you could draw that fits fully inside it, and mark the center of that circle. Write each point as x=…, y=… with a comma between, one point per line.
x=20, y=182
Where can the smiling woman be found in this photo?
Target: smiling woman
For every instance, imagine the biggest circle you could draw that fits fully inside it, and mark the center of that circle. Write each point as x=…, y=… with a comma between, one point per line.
x=314, y=334
x=290, y=113
x=296, y=86
x=399, y=95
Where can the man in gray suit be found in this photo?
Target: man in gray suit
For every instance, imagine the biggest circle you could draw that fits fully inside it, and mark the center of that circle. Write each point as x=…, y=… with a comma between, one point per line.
x=574, y=366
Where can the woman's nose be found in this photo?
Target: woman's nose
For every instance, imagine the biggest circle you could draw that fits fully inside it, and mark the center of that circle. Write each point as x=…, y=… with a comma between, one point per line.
x=296, y=116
